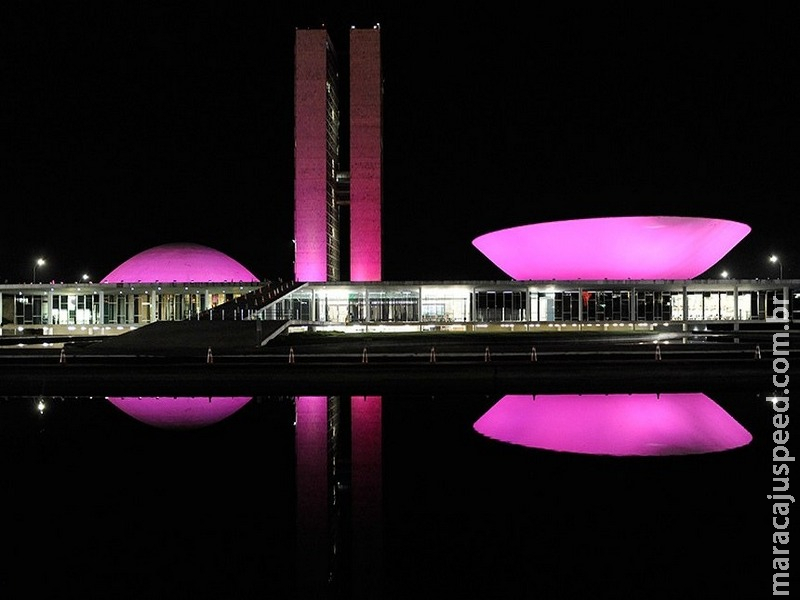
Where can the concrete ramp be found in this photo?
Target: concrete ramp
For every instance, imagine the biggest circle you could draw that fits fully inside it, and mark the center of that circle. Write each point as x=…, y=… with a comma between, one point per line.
x=189, y=338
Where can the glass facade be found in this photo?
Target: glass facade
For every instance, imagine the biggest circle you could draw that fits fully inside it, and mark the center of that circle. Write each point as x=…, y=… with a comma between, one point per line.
x=61, y=307
x=687, y=302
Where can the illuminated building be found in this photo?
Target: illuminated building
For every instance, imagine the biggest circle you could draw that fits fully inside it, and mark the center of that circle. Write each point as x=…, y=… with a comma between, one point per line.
x=321, y=187
x=639, y=274
x=366, y=154
x=316, y=157
x=652, y=247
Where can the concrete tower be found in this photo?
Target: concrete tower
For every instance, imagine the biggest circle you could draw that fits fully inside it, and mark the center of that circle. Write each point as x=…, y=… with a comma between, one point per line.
x=320, y=187
x=366, y=154
x=316, y=157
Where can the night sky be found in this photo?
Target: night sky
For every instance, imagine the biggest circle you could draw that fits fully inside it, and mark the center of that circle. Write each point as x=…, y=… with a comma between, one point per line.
x=127, y=125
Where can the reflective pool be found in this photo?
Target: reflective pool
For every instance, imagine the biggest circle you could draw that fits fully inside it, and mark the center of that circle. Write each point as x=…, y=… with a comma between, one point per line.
x=393, y=496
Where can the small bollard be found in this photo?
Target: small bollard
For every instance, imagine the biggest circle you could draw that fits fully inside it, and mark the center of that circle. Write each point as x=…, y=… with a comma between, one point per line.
x=486, y=356
x=209, y=356
x=758, y=351
x=62, y=358
x=433, y=355
x=658, y=352
x=533, y=354
x=364, y=355
x=291, y=356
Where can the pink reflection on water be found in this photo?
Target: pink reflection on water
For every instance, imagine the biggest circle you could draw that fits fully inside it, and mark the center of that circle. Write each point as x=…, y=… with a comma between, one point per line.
x=182, y=412
x=614, y=424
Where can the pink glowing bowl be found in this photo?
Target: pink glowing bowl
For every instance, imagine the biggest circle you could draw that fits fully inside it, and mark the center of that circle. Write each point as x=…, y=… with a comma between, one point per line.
x=182, y=412
x=180, y=262
x=614, y=424
x=612, y=248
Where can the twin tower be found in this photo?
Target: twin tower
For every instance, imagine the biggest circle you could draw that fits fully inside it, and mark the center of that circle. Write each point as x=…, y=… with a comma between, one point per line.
x=323, y=190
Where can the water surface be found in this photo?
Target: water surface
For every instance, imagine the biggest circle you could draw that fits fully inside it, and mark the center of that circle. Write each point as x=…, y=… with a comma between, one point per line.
x=365, y=496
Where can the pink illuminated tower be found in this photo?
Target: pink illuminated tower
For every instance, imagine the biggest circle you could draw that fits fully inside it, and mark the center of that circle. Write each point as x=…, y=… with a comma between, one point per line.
x=321, y=189
x=316, y=157
x=366, y=154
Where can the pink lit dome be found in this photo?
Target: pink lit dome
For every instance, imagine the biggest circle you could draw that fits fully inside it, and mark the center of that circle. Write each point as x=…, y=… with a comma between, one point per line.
x=614, y=424
x=612, y=248
x=184, y=412
x=182, y=263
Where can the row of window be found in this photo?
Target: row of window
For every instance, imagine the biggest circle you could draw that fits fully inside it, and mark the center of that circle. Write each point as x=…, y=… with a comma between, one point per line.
x=523, y=306
x=466, y=306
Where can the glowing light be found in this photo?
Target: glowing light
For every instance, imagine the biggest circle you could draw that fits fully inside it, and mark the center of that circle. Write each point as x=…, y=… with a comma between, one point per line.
x=774, y=259
x=39, y=263
x=612, y=248
x=614, y=424
x=180, y=262
x=184, y=412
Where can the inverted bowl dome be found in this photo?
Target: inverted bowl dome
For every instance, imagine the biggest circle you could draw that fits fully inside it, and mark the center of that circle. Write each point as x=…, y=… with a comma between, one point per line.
x=182, y=412
x=614, y=424
x=612, y=247
x=180, y=262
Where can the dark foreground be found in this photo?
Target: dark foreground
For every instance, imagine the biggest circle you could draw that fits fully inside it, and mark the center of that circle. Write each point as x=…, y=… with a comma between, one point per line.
x=407, y=500
x=230, y=359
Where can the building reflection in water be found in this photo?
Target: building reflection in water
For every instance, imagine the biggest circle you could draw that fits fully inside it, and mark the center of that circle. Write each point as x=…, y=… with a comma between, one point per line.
x=338, y=470
x=614, y=424
x=180, y=412
x=338, y=448
x=322, y=535
x=338, y=481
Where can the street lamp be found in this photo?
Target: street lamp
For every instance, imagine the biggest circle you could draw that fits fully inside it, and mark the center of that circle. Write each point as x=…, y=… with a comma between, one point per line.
x=773, y=259
x=294, y=258
x=39, y=262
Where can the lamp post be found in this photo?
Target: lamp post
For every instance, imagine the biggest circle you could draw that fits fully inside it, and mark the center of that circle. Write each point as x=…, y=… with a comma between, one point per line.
x=39, y=262
x=773, y=259
x=294, y=258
